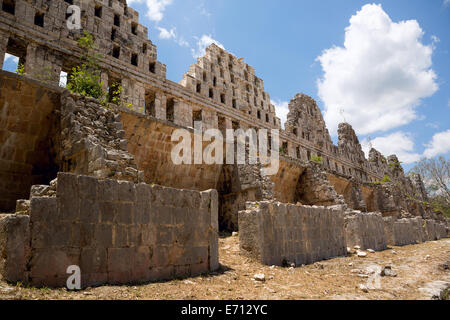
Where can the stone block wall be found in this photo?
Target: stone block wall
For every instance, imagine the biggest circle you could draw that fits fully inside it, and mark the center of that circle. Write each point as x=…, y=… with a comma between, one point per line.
x=389, y=230
x=117, y=232
x=149, y=142
x=365, y=230
x=275, y=233
x=29, y=138
x=417, y=230
x=405, y=233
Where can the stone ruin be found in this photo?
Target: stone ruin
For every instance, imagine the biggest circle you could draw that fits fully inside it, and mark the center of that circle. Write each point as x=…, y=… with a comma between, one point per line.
x=81, y=184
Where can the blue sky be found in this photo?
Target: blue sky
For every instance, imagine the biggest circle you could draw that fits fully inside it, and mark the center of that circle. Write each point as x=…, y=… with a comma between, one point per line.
x=391, y=80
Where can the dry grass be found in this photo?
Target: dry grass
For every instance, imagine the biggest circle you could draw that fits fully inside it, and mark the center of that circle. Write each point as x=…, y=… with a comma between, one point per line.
x=332, y=279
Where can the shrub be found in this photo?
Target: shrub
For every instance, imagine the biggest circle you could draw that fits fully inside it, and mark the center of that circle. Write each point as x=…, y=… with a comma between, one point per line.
x=86, y=78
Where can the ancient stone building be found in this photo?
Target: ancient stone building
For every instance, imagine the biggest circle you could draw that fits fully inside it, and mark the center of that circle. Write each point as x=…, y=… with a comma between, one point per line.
x=81, y=182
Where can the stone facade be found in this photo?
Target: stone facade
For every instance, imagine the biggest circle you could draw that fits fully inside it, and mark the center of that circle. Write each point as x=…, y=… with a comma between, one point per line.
x=220, y=89
x=117, y=232
x=126, y=152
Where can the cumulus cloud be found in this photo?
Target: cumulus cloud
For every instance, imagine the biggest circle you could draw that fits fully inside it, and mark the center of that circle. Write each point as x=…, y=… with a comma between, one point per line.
x=202, y=43
x=171, y=34
x=281, y=109
x=398, y=143
x=166, y=34
x=378, y=78
x=155, y=8
x=446, y=2
x=439, y=144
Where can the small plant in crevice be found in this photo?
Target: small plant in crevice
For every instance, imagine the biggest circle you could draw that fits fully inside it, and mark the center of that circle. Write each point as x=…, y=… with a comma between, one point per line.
x=85, y=79
x=317, y=159
x=20, y=69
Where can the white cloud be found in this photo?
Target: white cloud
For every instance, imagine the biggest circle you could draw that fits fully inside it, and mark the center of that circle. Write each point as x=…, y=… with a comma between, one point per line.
x=439, y=144
x=398, y=143
x=11, y=57
x=282, y=110
x=435, y=39
x=166, y=34
x=379, y=76
x=155, y=8
x=172, y=35
x=446, y=2
x=202, y=43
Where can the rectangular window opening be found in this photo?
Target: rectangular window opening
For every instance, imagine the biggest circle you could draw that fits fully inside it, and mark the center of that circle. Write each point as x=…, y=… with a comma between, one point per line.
x=170, y=110
x=134, y=27
x=117, y=20
x=39, y=19
x=98, y=11
x=150, y=108
x=152, y=67
x=9, y=6
x=134, y=59
x=116, y=52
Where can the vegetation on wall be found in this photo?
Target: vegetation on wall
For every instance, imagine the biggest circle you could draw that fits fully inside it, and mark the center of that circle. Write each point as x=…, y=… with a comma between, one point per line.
x=85, y=79
x=317, y=159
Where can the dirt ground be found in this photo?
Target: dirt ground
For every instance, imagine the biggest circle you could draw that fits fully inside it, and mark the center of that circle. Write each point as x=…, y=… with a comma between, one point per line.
x=416, y=266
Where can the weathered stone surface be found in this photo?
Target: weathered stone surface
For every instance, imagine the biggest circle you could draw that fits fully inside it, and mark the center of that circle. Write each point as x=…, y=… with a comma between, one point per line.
x=14, y=247
x=275, y=233
x=117, y=233
x=365, y=230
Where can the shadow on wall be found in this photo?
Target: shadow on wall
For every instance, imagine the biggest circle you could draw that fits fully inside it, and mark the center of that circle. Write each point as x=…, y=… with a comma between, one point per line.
x=29, y=137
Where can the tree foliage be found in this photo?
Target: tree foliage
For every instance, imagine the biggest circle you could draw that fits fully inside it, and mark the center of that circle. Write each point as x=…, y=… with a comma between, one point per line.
x=85, y=79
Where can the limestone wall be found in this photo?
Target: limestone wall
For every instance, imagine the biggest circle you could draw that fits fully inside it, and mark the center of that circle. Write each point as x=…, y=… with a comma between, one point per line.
x=389, y=230
x=149, y=141
x=275, y=233
x=116, y=232
x=417, y=230
x=29, y=137
x=365, y=230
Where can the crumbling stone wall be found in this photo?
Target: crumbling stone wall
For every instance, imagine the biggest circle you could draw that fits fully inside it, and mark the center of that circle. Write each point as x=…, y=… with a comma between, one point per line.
x=237, y=185
x=351, y=191
x=276, y=233
x=314, y=188
x=93, y=140
x=287, y=179
x=365, y=230
x=118, y=232
x=29, y=137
